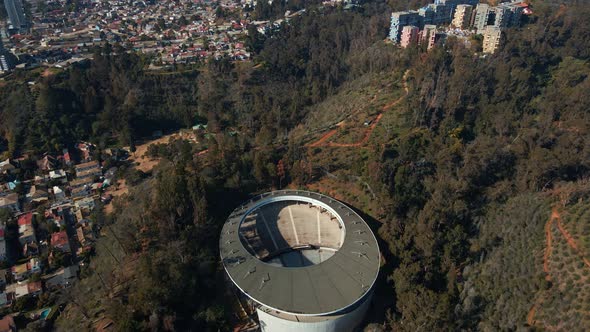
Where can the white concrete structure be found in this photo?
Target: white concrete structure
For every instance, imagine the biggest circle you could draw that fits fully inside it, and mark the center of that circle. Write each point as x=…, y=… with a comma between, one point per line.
x=306, y=261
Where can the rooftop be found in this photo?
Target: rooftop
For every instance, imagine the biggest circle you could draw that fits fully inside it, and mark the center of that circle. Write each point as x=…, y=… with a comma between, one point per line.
x=300, y=252
x=25, y=219
x=87, y=165
x=59, y=239
x=9, y=199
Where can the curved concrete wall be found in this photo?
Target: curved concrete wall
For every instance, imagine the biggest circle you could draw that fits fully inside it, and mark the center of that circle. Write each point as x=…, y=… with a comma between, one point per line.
x=346, y=322
x=297, y=198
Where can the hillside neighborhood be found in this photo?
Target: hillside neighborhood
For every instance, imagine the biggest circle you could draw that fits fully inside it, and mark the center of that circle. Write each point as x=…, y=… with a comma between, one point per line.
x=55, y=34
x=48, y=229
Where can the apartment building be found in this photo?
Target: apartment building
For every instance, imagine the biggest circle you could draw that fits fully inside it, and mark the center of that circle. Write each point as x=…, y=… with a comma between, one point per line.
x=401, y=19
x=508, y=14
x=483, y=16
x=438, y=13
x=492, y=37
x=462, y=18
x=409, y=36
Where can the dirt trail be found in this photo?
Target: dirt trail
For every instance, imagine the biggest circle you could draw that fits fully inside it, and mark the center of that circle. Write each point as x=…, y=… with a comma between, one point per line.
x=365, y=136
x=571, y=242
x=555, y=216
x=323, y=141
x=324, y=138
x=530, y=318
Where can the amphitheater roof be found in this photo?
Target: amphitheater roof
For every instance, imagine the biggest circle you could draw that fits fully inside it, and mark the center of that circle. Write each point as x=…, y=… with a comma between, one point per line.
x=329, y=287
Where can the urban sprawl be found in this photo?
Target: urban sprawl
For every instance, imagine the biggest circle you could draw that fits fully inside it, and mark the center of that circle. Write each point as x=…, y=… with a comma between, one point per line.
x=54, y=34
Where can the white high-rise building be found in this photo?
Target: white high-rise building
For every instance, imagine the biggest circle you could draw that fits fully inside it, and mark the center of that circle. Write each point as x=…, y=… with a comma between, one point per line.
x=492, y=36
x=462, y=17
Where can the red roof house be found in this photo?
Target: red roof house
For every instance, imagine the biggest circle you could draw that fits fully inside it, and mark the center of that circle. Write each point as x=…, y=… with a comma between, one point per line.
x=25, y=219
x=60, y=241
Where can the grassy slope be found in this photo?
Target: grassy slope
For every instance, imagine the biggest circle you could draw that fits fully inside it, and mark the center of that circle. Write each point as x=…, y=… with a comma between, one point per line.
x=340, y=171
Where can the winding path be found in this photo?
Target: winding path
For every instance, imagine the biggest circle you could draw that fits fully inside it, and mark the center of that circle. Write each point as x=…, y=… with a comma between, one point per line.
x=323, y=141
x=555, y=216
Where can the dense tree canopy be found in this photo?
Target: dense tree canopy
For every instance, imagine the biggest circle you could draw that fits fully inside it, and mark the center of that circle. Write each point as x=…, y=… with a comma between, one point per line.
x=478, y=140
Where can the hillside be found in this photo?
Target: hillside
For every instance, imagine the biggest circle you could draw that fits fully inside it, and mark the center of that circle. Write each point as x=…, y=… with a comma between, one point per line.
x=472, y=170
x=564, y=304
x=502, y=283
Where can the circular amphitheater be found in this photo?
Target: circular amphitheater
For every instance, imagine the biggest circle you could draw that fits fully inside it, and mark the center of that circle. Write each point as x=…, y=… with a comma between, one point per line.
x=306, y=260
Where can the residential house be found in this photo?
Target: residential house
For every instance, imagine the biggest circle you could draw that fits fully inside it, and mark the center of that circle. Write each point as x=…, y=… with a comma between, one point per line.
x=26, y=231
x=23, y=271
x=81, y=187
x=35, y=265
x=20, y=272
x=67, y=157
x=12, y=184
x=106, y=198
x=37, y=195
x=87, y=203
x=81, y=183
x=7, y=324
x=81, y=192
x=60, y=241
x=58, y=174
x=35, y=288
x=58, y=193
x=46, y=163
x=6, y=166
x=55, y=214
x=85, y=150
x=40, y=179
x=88, y=169
x=31, y=249
x=21, y=290
x=10, y=202
x=31, y=288
x=63, y=278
